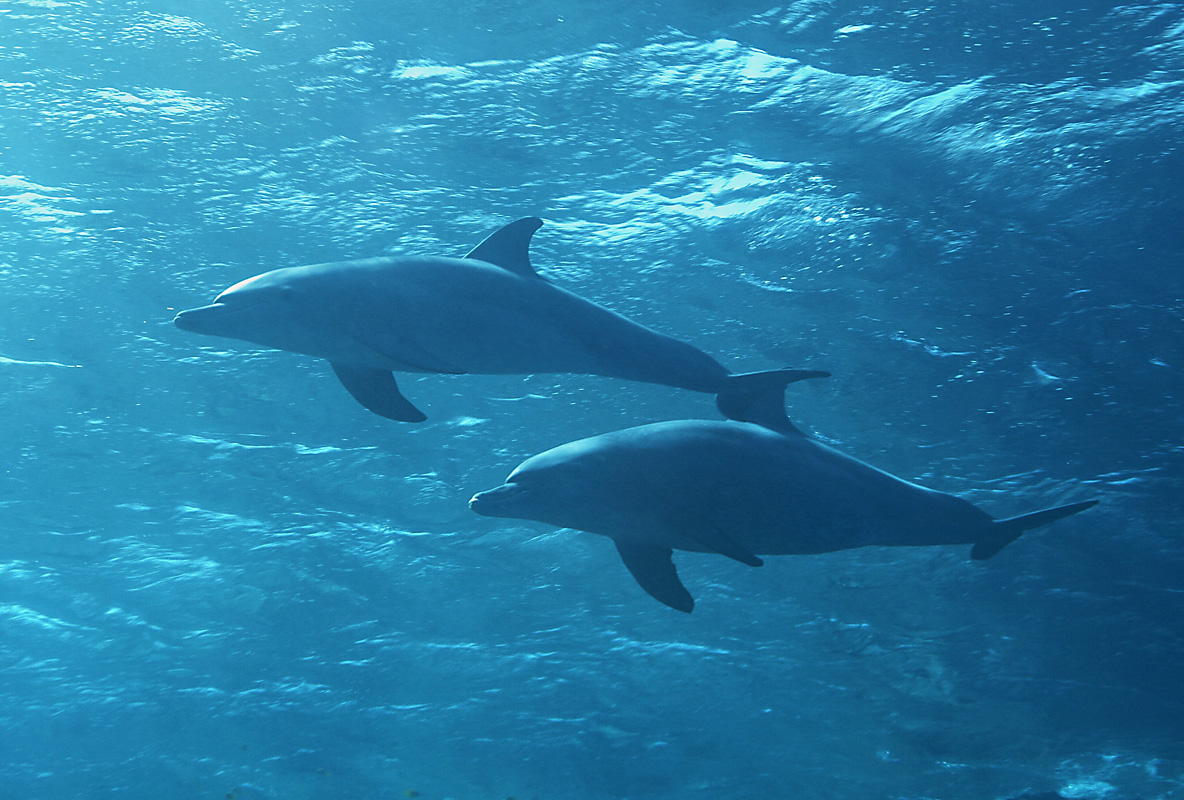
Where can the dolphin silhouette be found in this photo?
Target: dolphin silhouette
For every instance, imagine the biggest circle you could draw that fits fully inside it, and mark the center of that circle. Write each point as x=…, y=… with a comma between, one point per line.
x=738, y=489
x=486, y=313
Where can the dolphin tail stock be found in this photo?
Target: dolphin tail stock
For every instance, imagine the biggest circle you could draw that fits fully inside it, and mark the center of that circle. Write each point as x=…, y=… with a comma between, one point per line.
x=759, y=397
x=377, y=391
x=1005, y=531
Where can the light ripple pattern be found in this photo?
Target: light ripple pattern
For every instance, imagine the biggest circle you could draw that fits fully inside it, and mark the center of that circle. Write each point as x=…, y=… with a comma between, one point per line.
x=220, y=578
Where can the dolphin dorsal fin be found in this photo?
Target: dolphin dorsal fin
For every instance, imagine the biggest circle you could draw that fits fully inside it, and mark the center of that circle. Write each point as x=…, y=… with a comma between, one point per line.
x=509, y=247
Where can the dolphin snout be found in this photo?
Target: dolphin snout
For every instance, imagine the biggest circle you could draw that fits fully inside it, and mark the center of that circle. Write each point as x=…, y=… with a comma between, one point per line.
x=492, y=503
x=198, y=320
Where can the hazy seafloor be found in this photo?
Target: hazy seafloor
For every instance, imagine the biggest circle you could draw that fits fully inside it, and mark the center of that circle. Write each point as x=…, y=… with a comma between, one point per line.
x=221, y=578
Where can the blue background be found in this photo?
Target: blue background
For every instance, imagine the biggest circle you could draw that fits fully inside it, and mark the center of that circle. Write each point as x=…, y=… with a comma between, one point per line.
x=219, y=576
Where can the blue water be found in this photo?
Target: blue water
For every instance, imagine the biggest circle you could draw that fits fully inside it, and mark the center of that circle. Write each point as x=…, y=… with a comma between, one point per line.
x=222, y=578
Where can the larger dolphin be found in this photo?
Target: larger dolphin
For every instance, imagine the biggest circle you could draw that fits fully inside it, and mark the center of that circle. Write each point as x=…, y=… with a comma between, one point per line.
x=738, y=489
x=488, y=313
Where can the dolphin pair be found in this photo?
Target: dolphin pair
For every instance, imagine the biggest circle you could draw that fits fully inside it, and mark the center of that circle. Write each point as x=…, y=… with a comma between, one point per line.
x=750, y=486
x=740, y=489
x=486, y=313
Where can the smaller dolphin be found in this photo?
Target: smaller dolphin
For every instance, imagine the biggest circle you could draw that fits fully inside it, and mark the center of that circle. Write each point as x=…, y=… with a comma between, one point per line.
x=739, y=489
x=487, y=313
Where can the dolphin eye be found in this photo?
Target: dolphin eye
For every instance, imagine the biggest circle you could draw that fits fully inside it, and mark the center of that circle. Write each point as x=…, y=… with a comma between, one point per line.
x=285, y=294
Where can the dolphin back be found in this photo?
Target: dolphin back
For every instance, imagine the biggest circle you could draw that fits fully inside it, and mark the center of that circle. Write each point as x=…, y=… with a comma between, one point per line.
x=1005, y=531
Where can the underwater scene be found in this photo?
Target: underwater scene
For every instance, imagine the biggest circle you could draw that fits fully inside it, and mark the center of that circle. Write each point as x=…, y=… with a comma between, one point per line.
x=587, y=461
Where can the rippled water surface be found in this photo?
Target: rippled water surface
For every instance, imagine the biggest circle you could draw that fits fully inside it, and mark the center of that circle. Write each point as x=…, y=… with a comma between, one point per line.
x=222, y=578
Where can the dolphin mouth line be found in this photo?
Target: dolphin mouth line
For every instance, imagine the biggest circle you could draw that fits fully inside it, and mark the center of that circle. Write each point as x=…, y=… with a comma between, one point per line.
x=190, y=314
x=491, y=502
x=194, y=319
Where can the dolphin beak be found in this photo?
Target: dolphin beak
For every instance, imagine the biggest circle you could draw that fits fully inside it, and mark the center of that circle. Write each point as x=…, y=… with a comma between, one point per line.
x=495, y=502
x=201, y=320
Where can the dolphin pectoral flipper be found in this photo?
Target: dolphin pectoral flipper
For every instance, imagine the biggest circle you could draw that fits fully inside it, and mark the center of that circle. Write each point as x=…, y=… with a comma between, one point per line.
x=1005, y=531
x=759, y=397
x=509, y=247
x=654, y=571
x=376, y=390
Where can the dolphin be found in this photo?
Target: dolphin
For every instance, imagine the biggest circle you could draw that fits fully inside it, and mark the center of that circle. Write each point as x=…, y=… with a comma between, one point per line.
x=486, y=313
x=740, y=489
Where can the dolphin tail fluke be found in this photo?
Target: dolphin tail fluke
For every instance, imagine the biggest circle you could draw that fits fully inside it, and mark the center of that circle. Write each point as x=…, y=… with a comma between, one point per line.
x=654, y=570
x=1005, y=531
x=377, y=391
x=760, y=397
